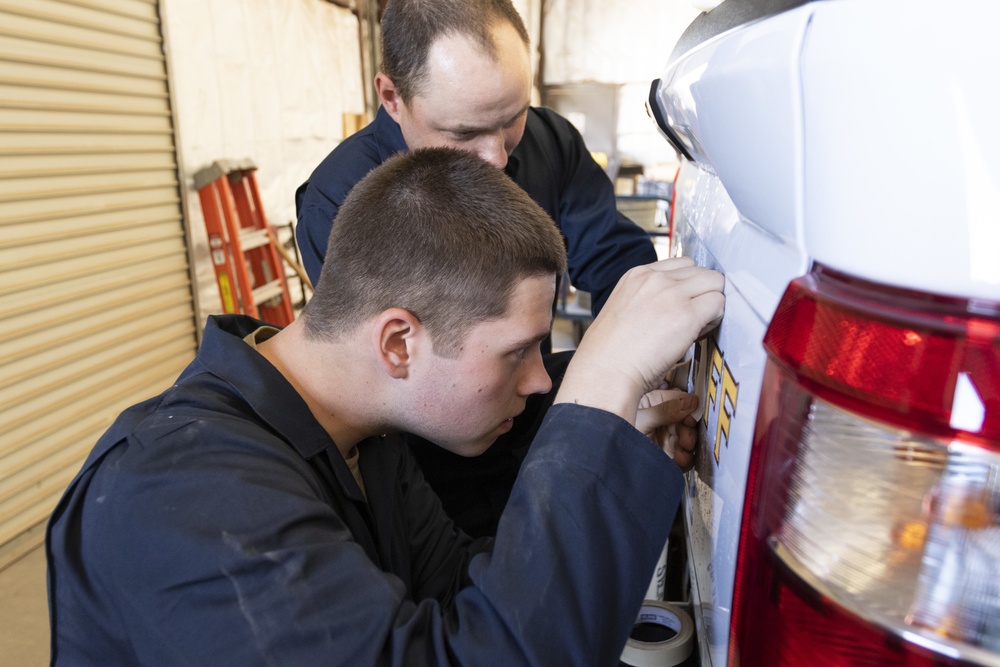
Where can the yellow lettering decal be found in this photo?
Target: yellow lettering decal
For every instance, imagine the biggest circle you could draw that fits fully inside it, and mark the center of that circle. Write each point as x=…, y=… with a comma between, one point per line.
x=714, y=376
x=727, y=408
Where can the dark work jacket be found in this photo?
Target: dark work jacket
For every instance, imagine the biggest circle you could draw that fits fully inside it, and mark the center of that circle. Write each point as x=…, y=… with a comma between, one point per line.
x=552, y=164
x=216, y=524
x=474, y=490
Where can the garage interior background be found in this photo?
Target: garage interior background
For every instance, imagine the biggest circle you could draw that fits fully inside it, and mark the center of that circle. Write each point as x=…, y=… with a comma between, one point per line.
x=107, y=110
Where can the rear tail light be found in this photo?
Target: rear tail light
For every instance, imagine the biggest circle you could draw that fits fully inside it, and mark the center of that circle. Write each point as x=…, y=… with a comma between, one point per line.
x=871, y=527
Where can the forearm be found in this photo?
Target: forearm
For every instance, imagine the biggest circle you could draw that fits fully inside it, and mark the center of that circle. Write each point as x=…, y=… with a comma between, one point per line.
x=577, y=541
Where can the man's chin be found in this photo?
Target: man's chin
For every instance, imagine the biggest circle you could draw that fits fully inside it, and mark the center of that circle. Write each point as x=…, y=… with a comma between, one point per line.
x=471, y=450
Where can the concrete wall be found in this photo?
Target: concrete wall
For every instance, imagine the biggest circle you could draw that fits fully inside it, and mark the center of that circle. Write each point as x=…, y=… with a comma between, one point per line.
x=619, y=42
x=268, y=80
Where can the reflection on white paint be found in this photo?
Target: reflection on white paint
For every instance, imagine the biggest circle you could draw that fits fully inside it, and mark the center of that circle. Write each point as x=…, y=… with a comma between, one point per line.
x=967, y=409
x=982, y=200
x=705, y=5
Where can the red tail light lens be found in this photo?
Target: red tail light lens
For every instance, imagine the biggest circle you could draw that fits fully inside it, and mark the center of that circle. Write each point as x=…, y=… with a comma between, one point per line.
x=871, y=529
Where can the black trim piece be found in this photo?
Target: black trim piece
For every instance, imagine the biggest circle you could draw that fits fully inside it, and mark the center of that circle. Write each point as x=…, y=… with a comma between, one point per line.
x=661, y=121
x=730, y=14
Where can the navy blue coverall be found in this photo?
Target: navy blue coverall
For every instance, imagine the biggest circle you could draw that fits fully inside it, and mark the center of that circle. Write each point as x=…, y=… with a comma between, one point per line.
x=217, y=524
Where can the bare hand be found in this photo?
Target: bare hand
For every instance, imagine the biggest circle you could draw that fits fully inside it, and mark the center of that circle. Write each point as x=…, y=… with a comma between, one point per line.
x=650, y=320
x=665, y=417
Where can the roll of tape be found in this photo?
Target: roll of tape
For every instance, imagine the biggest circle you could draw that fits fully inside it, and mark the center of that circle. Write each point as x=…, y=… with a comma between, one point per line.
x=666, y=653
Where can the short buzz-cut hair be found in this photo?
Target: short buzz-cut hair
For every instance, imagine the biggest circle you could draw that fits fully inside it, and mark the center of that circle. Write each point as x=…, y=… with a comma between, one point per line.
x=440, y=233
x=410, y=27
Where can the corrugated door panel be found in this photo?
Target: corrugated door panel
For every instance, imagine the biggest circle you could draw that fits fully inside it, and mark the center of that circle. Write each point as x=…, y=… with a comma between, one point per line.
x=39, y=143
x=135, y=242
x=39, y=119
x=62, y=298
x=95, y=292
x=17, y=233
x=76, y=79
x=46, y=350
x=141, y=299
x=45, y=109
x=112, y=197
x=130, y=19
x=52, y=21
x=69, y=60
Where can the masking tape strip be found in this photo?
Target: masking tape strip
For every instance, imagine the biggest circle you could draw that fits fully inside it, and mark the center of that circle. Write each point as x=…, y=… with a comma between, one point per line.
x=669, y=652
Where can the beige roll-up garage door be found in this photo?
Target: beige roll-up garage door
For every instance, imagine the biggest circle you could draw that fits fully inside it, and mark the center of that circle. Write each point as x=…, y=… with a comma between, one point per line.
x=96, y=309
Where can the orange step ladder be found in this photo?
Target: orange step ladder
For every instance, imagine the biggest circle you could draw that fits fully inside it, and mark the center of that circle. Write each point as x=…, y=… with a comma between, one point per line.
x=244, y=252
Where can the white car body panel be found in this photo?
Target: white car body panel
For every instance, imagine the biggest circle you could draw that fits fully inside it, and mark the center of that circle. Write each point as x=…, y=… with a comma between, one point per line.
x=916, y=168
x=859, y=134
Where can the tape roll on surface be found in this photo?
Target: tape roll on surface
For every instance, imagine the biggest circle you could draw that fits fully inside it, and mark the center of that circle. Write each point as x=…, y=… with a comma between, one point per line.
x=666, y=653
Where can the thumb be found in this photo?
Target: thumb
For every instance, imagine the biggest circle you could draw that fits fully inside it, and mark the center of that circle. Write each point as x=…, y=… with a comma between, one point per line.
x=663, y=407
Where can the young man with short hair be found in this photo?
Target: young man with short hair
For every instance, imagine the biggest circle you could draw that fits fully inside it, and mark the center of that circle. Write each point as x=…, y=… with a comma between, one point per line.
x=458, y=73
x=262, y=510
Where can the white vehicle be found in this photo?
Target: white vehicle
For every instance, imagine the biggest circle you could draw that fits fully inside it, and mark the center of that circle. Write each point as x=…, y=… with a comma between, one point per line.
x=841, y=165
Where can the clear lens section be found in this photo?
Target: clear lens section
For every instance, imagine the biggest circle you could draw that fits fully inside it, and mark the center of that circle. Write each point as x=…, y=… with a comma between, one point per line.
x=958, y=593
x=902, y=531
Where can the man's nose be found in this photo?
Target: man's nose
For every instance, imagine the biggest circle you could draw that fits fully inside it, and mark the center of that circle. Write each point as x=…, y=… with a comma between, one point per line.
x=536, y=379
x=492, y=148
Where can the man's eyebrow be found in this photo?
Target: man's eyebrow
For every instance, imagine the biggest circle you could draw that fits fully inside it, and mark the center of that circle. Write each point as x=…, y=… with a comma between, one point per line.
x=527, y=342
x=463, y=129
x=523, y=110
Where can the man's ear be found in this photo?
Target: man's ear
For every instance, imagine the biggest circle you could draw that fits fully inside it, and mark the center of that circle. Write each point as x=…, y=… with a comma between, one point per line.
x=394, y=335
x=389, y=96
